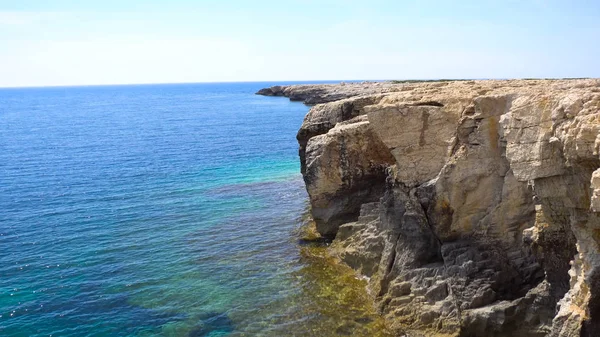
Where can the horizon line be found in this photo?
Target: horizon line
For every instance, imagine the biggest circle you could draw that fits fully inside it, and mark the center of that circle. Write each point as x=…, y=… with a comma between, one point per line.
x=286, y=81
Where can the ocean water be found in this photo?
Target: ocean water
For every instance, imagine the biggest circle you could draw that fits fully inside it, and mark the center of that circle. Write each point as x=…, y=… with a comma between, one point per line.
x=161, y=210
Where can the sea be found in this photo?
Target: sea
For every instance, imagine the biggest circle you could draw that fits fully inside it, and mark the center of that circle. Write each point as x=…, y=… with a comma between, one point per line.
x=162, y=210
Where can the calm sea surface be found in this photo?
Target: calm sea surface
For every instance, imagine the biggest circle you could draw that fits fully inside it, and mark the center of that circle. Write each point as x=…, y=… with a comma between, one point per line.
x=158, y=210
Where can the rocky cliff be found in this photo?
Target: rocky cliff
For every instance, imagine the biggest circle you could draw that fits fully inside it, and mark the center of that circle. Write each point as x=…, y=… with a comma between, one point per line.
x=473, y=207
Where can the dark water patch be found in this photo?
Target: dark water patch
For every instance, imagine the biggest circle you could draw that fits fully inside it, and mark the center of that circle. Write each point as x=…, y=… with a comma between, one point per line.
x=80, y=310
x=364, y=320
x=213, y=323
x=346, y=329
x=315, y=242
x=251, y=187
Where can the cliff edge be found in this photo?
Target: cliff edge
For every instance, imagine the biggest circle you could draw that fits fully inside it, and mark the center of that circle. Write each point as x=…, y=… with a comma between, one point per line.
x=473, y=207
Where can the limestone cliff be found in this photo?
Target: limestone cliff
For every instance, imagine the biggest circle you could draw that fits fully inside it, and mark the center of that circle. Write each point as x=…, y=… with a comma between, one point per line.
x=472, y=206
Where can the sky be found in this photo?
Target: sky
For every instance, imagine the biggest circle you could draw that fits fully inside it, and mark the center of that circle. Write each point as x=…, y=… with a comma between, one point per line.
x=62, y=42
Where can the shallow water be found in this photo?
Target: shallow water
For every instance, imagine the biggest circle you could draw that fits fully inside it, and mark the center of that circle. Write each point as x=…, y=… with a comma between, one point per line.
x=161, y=210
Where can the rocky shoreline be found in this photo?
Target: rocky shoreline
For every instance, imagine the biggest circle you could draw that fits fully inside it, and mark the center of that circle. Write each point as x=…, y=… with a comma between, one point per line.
x=473, y=207
x=324, y=93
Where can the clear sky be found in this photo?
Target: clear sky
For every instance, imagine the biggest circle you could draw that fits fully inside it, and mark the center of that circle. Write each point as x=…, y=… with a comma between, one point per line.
x=63, y=42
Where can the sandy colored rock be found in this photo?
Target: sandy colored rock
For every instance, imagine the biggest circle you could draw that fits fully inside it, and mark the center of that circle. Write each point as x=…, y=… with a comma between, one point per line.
x=321, y=118
x=420, y=137
x=344, y=169
x=595, y=186
x=472, y=206
x=324, y=93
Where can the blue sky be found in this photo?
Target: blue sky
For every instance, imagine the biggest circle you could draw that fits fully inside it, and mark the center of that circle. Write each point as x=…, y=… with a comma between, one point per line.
x=117, y=42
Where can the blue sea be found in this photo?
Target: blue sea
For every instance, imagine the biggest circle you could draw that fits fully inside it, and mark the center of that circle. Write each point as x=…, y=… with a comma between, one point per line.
x=157, y=210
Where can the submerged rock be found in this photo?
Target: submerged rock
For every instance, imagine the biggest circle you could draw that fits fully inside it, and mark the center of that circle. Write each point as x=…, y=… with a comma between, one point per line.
x=472, y=206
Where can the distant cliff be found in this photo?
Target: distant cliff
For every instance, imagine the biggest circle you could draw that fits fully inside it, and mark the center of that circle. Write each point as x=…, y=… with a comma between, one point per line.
x=472, y=206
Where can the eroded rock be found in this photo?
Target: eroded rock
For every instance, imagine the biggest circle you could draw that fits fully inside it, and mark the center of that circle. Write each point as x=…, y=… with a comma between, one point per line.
x=345, y=168
x=472, y=206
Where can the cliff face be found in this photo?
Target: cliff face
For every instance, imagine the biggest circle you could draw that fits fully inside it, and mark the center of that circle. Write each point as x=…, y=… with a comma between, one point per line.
x=472, y=206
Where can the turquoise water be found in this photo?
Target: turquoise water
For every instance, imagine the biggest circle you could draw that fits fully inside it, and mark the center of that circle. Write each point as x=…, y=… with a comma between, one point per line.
x=154, y=210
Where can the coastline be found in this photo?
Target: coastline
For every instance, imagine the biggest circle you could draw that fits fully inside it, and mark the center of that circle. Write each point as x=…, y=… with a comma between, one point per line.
x=466, y=204
x=187, y=230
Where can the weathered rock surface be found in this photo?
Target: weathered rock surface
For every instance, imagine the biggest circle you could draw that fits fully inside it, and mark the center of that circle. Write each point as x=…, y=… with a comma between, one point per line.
x=321, y=118
x=472, y=206
x=345, y=168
